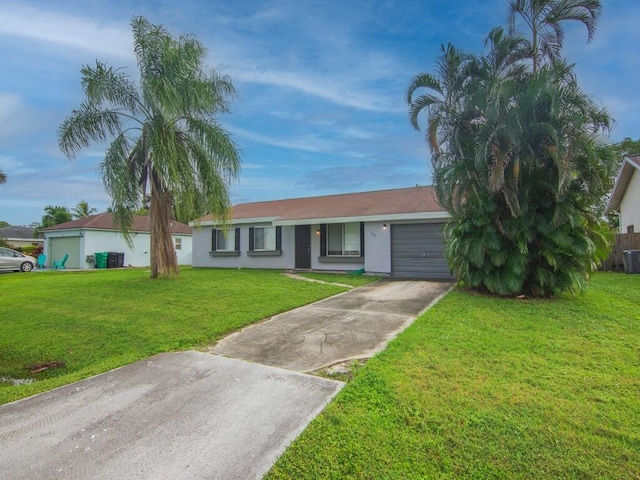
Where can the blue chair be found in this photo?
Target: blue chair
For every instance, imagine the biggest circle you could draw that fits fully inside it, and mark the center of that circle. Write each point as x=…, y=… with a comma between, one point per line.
x=41, y=259
x=60, y=264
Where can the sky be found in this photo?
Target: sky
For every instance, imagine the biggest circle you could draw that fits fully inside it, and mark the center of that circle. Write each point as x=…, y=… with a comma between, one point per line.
x=321, y=86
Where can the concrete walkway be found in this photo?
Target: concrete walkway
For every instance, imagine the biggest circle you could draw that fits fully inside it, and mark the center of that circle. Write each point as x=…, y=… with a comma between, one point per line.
x=354, y=324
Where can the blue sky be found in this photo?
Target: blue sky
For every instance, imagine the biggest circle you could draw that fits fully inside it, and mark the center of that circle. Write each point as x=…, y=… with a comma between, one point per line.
x=321, y=86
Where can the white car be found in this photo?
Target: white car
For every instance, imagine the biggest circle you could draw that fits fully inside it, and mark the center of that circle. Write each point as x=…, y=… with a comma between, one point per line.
x=12, y=260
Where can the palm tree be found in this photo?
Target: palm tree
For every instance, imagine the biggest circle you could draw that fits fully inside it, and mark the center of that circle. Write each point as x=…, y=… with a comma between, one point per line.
x=517, y=163
x=544, y=18
x=82, y=210
x=165, y=140
x=3, y=177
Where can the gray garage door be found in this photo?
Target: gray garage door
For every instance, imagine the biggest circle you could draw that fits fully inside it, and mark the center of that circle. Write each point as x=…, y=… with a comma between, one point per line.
x=417, y=251
x=60, y=246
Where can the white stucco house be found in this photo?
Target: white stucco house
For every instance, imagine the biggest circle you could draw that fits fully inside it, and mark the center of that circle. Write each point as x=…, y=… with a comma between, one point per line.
x=82, y=238
x=625, y=198
x=390, y=232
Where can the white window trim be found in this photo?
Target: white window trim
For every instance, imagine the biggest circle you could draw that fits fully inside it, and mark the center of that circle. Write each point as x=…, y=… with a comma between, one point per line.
x=256, y=249
x=228, y=242
x=343, y=254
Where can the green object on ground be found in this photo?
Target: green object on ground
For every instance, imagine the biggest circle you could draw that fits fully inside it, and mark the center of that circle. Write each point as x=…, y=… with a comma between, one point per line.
x=61, y=263
x=357, y=272
x=101, y=259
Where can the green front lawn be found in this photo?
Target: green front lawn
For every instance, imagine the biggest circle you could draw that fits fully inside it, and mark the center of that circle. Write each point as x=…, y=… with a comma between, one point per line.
x=343, y=278
x=98, y=320
x=483, y=387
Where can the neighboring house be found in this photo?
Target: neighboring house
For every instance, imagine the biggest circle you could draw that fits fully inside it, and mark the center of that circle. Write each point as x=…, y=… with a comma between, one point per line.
x=389, y=232
x=82, y=238
x=19, y=236
x=625, y=198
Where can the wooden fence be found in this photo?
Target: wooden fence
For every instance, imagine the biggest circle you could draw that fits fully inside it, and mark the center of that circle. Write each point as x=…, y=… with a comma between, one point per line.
x=624, y=241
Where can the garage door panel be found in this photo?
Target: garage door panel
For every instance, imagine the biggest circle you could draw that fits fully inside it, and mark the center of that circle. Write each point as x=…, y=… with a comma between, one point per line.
x=417, y=250
x=59, y=246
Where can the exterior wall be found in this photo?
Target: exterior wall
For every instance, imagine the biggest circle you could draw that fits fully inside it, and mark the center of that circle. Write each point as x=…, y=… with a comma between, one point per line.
x=630, y=205
x=377, y=247
x=93, y=241
x=203, y=258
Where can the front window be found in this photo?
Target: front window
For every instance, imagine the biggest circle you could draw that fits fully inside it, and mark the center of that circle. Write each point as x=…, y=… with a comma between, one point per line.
x=226, y=240
x=343, y=239
x=264, y=238
x=178, y=243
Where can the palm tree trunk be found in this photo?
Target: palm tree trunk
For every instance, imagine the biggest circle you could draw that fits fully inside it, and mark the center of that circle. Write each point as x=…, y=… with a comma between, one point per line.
x=164, y=261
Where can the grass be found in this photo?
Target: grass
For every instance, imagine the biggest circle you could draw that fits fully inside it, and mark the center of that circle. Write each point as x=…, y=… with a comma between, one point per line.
x=346, y=279
x=483, y=387
x=95, y=321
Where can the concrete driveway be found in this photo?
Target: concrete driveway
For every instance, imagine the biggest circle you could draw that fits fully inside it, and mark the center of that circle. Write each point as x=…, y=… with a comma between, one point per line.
x=354, y=324
x=188, y=415
x=194, y=415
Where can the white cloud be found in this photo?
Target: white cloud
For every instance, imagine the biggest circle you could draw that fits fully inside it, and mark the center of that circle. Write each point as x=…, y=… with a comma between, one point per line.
x=337, y=89
x=308, y=143
x=9, y=104
x=72, y=31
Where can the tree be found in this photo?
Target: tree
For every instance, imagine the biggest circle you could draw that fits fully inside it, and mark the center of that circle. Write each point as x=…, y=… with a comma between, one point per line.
x=3, y=177
x=165, y=139
x=82, y=210
x=626, y=147
x=55, y=215
x=519, y=163
x=544, y=19
x=4, y=224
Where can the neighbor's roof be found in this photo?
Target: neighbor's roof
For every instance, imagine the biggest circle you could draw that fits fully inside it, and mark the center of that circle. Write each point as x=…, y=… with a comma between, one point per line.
x=629, y=165
x=413, y=202
x=104, y=221
x=17, y=233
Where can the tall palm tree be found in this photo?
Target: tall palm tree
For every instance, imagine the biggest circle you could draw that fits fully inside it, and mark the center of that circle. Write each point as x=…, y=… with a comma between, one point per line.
x=165, y=139
x=544, y=19
x=3, y=177
x=82, y=210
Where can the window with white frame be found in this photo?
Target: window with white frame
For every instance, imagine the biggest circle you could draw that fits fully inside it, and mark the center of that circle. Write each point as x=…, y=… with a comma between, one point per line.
x=178, y=243
x=343, y=239
x=264, y=238
x=225, y=240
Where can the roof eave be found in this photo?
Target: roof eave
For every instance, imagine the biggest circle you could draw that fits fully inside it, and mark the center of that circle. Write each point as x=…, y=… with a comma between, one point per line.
x=622, y=182
x=239, y=221
x=368, y=218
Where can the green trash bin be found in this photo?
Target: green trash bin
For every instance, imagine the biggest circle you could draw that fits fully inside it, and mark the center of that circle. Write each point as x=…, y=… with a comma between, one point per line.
x=101, y=259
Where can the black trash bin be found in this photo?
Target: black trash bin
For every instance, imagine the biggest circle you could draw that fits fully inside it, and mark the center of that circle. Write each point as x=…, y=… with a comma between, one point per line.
x=115, y=260
x=112, y=260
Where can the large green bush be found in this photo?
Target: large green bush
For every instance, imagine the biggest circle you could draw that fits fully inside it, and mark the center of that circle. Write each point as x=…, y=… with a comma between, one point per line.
x=520, y=162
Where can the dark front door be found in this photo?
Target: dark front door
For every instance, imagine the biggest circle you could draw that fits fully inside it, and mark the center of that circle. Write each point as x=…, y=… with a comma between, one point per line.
x=303, y=246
